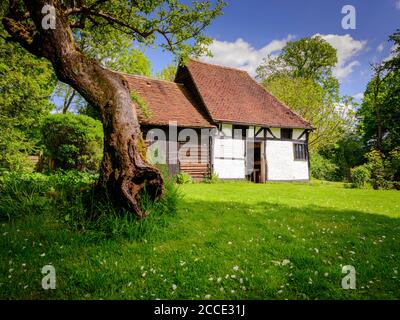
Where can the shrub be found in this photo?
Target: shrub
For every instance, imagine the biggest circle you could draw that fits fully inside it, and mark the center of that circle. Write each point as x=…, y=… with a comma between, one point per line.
x=15, y=147
x=212, y=179
x=73, y=142
x=360, y=175
x=393, y=165
x=183, y=178
x=322, y=168
x=376, y=164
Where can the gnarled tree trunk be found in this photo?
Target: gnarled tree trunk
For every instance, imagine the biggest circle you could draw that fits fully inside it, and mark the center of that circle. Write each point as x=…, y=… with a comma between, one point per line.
x=125, y=170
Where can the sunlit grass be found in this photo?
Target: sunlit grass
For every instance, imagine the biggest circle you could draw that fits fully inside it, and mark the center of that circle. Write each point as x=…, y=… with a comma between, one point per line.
x=228, y=241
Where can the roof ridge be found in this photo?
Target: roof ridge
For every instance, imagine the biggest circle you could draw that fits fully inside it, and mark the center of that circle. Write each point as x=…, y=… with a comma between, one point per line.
x=147, y=77
x=218, y=66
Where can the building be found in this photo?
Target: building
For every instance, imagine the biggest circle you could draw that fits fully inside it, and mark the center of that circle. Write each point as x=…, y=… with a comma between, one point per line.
x=219, y=119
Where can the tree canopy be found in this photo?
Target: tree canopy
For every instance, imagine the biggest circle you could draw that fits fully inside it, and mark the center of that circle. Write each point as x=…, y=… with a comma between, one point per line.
x=26, y=84
x=380, y=111
x=309, y=58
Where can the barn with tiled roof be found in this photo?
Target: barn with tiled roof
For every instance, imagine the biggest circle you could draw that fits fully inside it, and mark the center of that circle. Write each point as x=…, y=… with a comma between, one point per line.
x=215, y=119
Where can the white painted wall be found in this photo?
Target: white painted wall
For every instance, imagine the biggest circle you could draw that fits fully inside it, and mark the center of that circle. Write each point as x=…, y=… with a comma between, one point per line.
x=233, y=164
x=276, y=132
x=281, y=164
x=226, y=130
x=297, y=133
x=229, y=169
x=280, y=157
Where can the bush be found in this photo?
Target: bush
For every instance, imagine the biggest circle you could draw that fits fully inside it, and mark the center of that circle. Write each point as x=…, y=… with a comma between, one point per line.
x=322, y=168
x=376, y=164
x=360, y=176
x=212, y=179
x=15, y=147
x=183, y=178
x=393, y=165
x=73, y=142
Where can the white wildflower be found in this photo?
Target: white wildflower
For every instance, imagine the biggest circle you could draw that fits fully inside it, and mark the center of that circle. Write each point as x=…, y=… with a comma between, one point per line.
x=285, y=262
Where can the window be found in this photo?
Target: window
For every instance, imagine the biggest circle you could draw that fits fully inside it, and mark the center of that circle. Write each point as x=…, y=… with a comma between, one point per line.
x=286, y=134
x=300, y=151
x=239, y=132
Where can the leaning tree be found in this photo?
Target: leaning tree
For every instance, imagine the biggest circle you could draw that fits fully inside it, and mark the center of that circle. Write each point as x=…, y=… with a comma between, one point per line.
x=48, y=29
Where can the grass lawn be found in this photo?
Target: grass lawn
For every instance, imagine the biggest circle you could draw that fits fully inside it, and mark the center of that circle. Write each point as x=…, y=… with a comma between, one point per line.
x=227, y=241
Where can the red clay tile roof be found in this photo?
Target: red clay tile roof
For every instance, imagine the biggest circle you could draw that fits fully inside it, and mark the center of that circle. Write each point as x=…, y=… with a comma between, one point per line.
x=167, y=101
x=231, y=95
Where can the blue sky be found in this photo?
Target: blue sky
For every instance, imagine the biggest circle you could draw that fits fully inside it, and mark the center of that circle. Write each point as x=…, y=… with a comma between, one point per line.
x=251, y=29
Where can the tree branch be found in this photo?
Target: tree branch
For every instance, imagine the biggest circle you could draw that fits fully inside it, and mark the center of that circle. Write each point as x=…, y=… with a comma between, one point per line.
x=90, y=12
x=22, y=34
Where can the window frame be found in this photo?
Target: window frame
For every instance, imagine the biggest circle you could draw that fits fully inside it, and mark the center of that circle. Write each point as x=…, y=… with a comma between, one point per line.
x=296, y=153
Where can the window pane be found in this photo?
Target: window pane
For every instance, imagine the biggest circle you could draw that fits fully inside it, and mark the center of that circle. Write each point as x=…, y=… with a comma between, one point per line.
x=300, y=151
x=286, y=134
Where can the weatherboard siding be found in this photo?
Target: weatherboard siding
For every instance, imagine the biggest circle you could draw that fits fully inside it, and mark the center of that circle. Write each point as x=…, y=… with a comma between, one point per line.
x=229, y=158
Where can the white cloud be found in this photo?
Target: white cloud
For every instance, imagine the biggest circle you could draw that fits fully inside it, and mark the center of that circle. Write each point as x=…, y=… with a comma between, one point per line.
x=381, y=46
x=359, y=96
x=398, y=4
x=242, y=55
x=347, y=48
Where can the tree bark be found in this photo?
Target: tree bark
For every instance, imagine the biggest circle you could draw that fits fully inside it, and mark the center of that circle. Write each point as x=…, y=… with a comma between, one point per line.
x=124, y=170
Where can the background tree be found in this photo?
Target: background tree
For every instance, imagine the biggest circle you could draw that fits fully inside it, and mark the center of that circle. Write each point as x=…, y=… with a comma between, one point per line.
x=125, y=170
x=309, y=58
x=168, y=73
x=330, y=117
x=380, y=111
x=26, y=84
x=379, y=121
x=301, y=77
